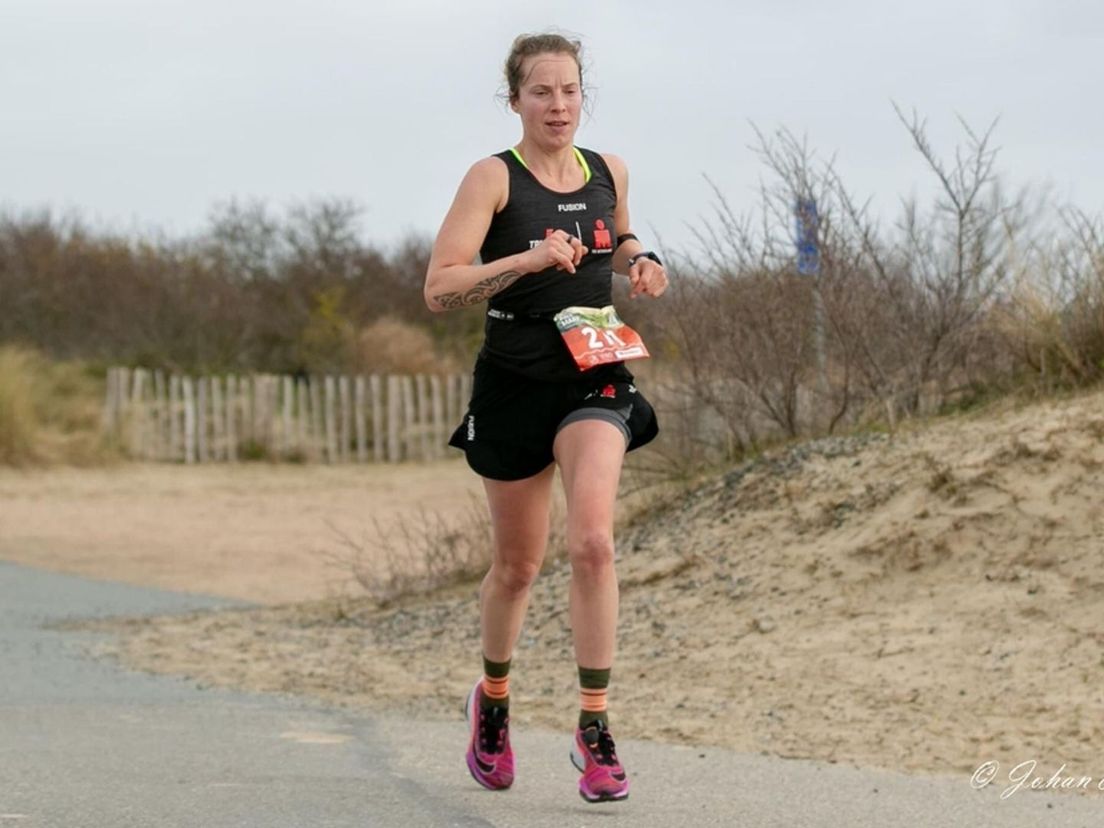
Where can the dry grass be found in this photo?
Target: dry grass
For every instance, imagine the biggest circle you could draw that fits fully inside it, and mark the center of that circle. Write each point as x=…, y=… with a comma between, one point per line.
x=421, y=554
x=18, y=423
x=50, y=412
x=1054, y=318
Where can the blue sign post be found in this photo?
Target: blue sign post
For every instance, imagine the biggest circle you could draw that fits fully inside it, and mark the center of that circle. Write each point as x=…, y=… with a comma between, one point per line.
x=808, y=264
x=808, y=253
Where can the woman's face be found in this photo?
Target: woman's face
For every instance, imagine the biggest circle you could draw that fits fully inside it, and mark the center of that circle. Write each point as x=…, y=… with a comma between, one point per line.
x=550, y=99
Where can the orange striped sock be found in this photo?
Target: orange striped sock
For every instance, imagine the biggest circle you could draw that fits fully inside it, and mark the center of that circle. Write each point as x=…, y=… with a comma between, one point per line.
x=496, y=683
x=593, y=686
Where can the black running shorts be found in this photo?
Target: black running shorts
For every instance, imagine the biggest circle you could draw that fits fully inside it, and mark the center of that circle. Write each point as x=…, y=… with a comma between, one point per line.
x=512, y=420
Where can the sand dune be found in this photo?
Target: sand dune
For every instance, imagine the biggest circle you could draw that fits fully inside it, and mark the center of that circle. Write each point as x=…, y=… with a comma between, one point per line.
x=926, y=602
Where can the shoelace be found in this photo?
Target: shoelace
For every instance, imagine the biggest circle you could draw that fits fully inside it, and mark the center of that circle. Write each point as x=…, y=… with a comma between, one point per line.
x=492, y=729
x=600, y=743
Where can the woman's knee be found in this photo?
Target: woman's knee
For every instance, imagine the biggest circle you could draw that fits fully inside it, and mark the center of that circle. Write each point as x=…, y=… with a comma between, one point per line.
x=591, y=550
x=515, y=576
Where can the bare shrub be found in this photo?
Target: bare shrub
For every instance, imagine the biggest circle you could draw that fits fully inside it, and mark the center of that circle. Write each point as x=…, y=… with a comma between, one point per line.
x=941, y=272
x=759, y=327
x=749, y=328
x=414, y=556
x=892, y=322
x=392, y=345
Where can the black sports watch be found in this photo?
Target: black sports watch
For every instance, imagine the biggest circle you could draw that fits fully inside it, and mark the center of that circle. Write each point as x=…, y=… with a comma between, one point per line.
x=644, y=254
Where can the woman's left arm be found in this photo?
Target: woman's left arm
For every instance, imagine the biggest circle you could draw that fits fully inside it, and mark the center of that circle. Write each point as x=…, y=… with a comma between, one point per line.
x=645, y=276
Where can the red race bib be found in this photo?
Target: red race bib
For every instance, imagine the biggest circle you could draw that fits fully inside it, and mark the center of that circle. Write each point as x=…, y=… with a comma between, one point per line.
x=597, y=335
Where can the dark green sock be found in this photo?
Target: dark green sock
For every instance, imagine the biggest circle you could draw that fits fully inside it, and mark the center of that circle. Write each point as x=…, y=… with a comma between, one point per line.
x=495, y=670
x=590, y=679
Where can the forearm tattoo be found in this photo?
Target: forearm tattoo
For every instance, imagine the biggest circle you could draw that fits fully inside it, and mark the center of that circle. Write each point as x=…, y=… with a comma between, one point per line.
x=480, y=291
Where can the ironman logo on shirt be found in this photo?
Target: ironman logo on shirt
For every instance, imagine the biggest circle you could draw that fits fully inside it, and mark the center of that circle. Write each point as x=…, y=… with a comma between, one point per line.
x=601, y=239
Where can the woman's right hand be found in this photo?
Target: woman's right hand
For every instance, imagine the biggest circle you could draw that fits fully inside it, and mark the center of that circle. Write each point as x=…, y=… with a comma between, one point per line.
x=560, y=250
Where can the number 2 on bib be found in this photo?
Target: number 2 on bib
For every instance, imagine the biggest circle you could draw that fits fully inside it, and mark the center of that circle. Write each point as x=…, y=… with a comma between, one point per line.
x=611, y=338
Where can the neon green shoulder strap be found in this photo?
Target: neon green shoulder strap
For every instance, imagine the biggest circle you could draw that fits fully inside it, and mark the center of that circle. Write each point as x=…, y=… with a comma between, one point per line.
x=578, y=157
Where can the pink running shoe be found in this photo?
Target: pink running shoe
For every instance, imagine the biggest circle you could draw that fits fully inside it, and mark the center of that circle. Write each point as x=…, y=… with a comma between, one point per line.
x=490, y=759
x=595, y=756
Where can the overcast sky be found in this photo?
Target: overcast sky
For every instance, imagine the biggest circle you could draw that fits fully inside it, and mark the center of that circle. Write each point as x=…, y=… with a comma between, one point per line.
x=142, y=114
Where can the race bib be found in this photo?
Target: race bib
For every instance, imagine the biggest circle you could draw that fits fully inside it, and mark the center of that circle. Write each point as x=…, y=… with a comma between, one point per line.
x=597, y=335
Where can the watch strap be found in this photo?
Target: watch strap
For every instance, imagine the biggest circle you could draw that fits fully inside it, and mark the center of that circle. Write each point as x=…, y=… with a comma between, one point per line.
x=644, y=254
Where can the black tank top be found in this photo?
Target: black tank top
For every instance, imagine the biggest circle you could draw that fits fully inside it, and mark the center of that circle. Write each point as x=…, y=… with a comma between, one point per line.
x=519, y=334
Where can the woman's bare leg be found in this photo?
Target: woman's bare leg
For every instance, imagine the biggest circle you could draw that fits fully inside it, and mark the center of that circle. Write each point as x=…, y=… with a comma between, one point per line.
x=590, y=454
x=519, y=516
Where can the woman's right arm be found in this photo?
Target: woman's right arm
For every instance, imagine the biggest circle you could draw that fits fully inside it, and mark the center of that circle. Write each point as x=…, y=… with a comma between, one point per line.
x=452, y=281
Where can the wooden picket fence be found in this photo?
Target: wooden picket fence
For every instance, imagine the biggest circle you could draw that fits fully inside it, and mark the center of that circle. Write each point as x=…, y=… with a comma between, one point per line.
x=332, y=419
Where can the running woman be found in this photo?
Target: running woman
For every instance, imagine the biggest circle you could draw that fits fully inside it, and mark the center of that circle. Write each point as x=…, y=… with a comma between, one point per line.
x=550, y=223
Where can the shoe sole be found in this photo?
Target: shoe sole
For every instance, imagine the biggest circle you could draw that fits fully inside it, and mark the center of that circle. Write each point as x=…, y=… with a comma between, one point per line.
x=605, y=797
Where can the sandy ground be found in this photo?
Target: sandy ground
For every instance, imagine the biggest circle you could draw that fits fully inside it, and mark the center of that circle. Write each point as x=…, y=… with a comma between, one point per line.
x=924, y=602
x=258, y=532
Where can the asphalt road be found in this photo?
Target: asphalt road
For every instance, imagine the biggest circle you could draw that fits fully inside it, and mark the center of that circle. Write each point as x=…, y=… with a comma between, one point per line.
x=86, y=743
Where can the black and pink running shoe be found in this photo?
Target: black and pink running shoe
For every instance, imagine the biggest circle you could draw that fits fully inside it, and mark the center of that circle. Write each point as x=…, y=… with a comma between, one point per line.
x=595, y=756
x=490, y=758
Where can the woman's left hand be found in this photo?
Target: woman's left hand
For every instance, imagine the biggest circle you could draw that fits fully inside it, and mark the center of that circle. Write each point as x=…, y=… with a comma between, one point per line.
x=647, y=277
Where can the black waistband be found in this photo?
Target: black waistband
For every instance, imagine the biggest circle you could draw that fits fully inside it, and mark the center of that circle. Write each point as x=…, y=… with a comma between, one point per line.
x=512, y=316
